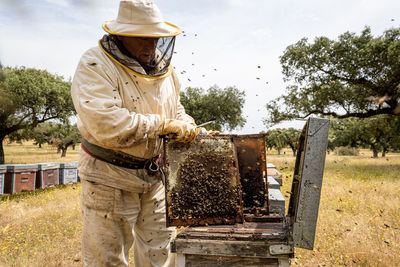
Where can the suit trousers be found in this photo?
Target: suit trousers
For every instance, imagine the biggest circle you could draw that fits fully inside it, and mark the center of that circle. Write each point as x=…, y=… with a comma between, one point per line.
x=114, y=220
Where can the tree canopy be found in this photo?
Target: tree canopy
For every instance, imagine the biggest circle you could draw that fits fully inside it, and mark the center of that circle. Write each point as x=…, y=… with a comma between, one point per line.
x=380, y=133
x=353, y=76
x=225, y=106
x=30, y=96
x=58, y=135
x=281, y=138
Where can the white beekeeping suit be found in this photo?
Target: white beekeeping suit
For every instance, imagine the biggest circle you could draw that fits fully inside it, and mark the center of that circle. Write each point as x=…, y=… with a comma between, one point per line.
x=123, y=106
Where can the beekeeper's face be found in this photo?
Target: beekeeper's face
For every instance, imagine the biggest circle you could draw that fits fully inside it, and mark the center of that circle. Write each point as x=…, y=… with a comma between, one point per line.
x=142, y=48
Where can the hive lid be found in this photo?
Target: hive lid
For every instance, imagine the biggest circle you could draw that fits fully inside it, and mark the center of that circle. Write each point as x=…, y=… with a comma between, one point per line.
x=69, y=165
x=48, y=165
x=27, y=167
x=3, y=168
x=307, y=182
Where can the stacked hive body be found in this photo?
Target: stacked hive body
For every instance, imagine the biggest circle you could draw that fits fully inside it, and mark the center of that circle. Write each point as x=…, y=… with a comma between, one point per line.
x=28, y=177
x=275, y=197
x=20, y=177
x=265, y=240
x=3, y=170
x=47, y=175
x=274, y=173
x=68, y=173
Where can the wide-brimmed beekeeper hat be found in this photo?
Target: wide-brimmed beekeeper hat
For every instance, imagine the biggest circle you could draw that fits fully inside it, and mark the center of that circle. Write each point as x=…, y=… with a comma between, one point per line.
x=140, y=18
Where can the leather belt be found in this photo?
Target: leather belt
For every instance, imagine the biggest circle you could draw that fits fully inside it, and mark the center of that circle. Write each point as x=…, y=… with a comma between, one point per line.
x=120, y=159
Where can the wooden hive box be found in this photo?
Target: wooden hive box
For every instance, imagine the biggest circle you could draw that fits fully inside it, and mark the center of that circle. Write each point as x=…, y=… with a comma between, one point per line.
x=266, y=240
x=20, y=177
x=3, y=170
x=47, y=175
x=68, y=173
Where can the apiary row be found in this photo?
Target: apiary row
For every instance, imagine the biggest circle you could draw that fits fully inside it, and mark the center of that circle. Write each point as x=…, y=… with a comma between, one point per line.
x=17, y=178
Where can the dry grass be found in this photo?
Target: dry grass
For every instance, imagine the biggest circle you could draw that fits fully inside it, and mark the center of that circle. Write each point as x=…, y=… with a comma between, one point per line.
x=28, y=153
x=359, y=216
x=42, y=228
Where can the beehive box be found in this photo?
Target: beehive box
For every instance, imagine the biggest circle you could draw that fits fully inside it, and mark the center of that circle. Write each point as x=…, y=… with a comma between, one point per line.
x=3, y=170
x=274, y=173
x=202, y=182
x=68, y=173
x=47, y=175
x=20, y=177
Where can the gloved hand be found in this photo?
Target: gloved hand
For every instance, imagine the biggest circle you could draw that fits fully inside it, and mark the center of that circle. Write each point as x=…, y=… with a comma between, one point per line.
x=185, y=132
x=211, y=132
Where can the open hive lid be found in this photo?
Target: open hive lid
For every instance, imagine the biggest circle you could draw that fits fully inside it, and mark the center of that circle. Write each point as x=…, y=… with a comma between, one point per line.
x=202, y=182
x=307, y=181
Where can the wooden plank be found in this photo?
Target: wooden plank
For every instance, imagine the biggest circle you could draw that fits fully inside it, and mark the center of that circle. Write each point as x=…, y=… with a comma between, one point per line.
x=214, y=261
x=284, y=262
x=180, y=260
x=247, y=231
x=226, y=248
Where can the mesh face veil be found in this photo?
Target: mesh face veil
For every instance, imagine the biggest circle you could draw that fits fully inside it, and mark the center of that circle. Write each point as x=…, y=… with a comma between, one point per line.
x=156, y=67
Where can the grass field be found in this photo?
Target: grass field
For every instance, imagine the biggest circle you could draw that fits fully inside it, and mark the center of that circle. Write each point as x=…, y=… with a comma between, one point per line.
x=359, y=216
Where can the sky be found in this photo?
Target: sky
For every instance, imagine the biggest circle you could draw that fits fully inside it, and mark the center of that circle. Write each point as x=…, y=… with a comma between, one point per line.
x=223, y=43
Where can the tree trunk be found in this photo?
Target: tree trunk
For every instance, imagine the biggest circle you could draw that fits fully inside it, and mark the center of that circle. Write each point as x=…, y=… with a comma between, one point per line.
x=40, y=145
x=279, y=151
x=1, y=150
x=375, y=152
x=58, y=150
x=294, y=152
x=384, y=153
x=64, y=152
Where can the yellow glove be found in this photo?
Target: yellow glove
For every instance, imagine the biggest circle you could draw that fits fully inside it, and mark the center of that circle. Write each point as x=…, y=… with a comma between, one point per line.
x=211, y=132
x=185, y=132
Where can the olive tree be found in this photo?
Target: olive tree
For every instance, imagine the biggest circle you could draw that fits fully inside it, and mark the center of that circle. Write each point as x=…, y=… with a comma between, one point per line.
x=29, y=97
x=353, y=76
x=225, y=106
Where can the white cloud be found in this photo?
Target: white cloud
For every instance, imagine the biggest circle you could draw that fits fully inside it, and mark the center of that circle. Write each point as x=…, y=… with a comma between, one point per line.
x=62, y=3
x=261, y=34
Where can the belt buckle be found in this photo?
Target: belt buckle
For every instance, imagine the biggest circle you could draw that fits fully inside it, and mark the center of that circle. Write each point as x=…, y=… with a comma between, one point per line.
x=151, y=167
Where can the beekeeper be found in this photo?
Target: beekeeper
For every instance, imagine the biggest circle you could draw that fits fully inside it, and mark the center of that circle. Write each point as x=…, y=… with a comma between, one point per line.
x=126, y=95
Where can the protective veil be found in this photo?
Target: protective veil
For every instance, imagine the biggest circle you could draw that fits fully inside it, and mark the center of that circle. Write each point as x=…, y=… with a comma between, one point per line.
x=157, y=67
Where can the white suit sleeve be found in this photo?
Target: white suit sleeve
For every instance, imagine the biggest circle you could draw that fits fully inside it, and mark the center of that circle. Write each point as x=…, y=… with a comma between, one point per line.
x=181, y=113
x=99, y=106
